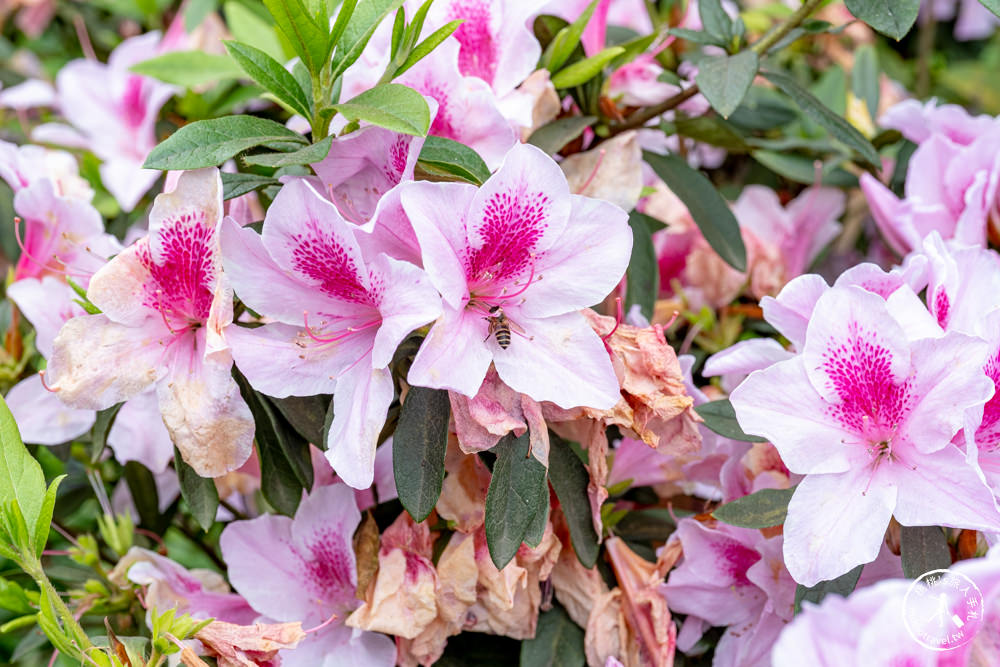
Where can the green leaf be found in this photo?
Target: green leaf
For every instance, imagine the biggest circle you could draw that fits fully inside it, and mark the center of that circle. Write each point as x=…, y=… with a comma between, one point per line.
x=198, y=492
x=839, y=128
x=865, y=77
x=44, y=522
x=196, y=12
x=712, y=130
x=803, y=170
x=569, y=479
x=763, y=109
x=567, y=40
x=366, y=18
x=514, y=497
x=418, y=449
x=189, y=68
x=14, y=599
x=21, y=478
x=842, y=586
x=102, y=426
x=250, y=27
x=145, y=497
x=207, y=143
x=715, y=20
x=761, y=509
x=584, y=70
x=234, y=185
x=697, y=37
x=392, y=106
x=558, y=642
x=536, y=529
x=307, y=37
x=269, y=73
x=923, y=548
x=720, y=417
x=890, y=17
x=643, y=269
x=423, y=49
x=992, y=5
x=725, y=80
x=451, y=158
x=317, y=152
x=552, y=137
x=709, y=210
x=305, y=414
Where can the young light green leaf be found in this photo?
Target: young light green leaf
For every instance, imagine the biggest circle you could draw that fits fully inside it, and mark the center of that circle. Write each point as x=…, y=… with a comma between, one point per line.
x=424, y=48
x=448, y=157
x=250, y=27
x=842, y=586
x=720, y=417
x=567, y=40
x=199, y=492
x=584, y=70
x=923, y=548
x=865, y=77
x=709, y=210
x=418, y=449
x=551, y=137
x=839, y=128
x=308, y=155
x=196, y=12
x=890, y=17
x=761, y=509
x=643, y=269
x=44, y=522
x=569, y=479
x=21, y=478
x=558, y=642
x=189, y=68
x=344, y=15
x=515, y=495
x=992, y=5
x=392, y=106
x=725, y=80
x=207, y=143
x=234, y=185
x=359, y=29
x=269, y=73
x=307, y=37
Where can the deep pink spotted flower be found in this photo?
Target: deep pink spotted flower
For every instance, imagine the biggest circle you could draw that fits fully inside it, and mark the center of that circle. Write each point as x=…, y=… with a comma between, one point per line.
x=339, y=308
x=523, y=247
x=867, y=412
x=165, y=306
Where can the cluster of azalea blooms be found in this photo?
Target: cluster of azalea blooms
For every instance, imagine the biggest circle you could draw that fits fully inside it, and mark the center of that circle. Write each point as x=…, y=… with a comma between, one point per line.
x=868, y=398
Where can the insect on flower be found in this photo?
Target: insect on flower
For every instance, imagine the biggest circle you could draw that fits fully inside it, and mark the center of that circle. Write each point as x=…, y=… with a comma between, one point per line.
x=501, y=327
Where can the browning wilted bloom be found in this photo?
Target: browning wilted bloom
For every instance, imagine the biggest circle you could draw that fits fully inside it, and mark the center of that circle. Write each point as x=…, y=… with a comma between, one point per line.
x=249, y=645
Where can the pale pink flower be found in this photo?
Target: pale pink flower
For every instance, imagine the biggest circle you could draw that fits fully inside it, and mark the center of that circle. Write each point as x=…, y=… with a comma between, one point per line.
x=165, y=305
x=304, y=569
x=867, y=412
x=919, y=121
x=22, y=166
x=972, y=19
x=524, y=244
x=339, y=309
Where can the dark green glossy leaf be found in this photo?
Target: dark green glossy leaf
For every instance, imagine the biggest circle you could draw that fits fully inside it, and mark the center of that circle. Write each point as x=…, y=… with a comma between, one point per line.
x=308, y=155
x=446, y=157
x=270, y=74
x=839, y=128
x=643, y=271
x=923, y=548
x=715, y=20
x=558, y=642
x=551, y=137
x=803, y=170
x=725, y=80
x=890, y=17
x=842, y=586
x=761, y=509
x=198, y=492
x=207, y=143
x=517, y=492
x=306, y=414
x=103, y=422
x=710, y=211
x=712, y=130
x=145, y=497
x=720, y=417
x=536, y=529
x=418, y=449
x=234, y=185
x=569, y=479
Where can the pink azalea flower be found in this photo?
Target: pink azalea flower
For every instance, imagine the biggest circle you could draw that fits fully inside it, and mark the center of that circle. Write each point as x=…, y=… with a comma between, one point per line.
x=919, y=121
x=467, y=108
x=113, y=113
x=867, y=412
x=951, y=188
x=521, y=243
x=165, y=305
x=304, y=569
x=22, y=166
x=973, y=20
x=338, y=315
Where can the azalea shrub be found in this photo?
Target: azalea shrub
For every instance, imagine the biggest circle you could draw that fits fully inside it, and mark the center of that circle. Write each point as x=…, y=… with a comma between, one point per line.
x=464, y=332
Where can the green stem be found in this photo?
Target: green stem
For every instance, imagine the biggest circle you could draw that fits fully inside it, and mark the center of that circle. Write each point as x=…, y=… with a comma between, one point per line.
x=801, y=14
x=72, y=626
